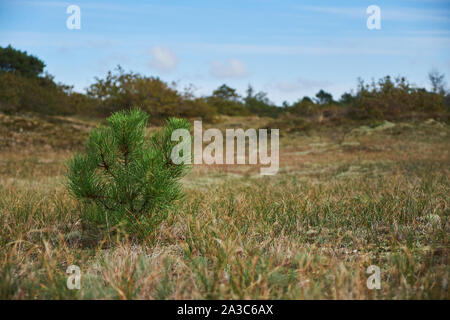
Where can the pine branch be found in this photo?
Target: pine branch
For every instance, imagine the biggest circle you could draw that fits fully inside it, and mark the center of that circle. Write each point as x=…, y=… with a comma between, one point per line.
x=134, y=191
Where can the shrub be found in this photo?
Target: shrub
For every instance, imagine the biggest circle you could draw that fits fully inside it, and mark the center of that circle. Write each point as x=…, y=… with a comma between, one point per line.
x=259, y=104
x=156, y=97
x=20, y=62
x=290, y=123
x=305, y=108
x=197, y=108
x=227, y=101
x=40, y=95
x=390, y=99
x=127, y=181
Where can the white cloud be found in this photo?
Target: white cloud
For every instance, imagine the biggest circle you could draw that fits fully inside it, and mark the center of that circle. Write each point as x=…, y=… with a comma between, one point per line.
x=302, y=84
x=163, y=59
x=230, y=69
x=312, y=84
x=285, y=86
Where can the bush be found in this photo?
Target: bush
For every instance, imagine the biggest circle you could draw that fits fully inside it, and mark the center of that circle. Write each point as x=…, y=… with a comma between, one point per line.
x=197, y=108
x=304, y=108
x=259, y=104
x=389, y=99
x=225, y=100
x=127, y=181
x=156, y=97
x=41, y=95
x=20, y=63
x=290, y=123
x=125, y=89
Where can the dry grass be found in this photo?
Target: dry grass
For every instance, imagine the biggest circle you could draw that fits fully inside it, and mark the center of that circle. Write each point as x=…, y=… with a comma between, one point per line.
x=336, y=207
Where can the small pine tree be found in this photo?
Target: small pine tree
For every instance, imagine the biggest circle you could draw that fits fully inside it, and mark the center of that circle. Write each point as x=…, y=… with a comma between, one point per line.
x=124, y=179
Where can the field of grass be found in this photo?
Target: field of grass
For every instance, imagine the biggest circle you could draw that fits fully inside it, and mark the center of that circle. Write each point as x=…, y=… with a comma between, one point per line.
x=343, y=200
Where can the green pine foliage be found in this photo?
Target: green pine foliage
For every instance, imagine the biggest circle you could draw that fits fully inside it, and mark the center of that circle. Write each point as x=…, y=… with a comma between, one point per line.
x=126, y=181
x=20, y=62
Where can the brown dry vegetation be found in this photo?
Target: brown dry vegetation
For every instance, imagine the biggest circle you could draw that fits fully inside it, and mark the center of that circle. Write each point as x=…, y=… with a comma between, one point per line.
x=344, y=199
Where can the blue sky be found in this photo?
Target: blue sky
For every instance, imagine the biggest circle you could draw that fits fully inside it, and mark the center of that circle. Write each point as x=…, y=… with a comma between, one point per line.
x=284, y=47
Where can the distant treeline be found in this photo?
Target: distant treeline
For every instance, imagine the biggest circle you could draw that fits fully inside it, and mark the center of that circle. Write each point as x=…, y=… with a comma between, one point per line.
x=24, y=87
